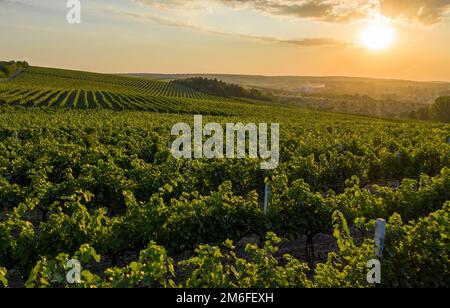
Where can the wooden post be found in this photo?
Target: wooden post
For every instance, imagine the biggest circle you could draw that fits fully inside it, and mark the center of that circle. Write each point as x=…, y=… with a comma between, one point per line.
x=266, y=197
x=380, y=234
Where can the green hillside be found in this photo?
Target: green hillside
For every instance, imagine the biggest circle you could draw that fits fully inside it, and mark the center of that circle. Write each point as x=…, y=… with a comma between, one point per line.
x=401, y=90
x=47, y=87
x=366, y=96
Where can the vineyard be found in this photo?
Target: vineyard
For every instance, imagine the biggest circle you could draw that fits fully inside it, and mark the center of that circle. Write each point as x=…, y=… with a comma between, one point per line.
x=224, y=151
x=102, y=187
x=86, y=182
x=44, y=87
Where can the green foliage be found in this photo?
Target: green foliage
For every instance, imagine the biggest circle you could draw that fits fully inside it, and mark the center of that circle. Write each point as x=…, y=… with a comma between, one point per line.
x=107, y=180
x=153, y=269
x=73, y=225
x=210, y=267
x=296, y=209
x=52, y=273
x=210, y=219
x=345, y=268
x=214, y=268
x=3, y=279
x=7, y=69
x=418, y=254
x=17, y=241
x=219, y=88
x=440, y=110
x=423, y=245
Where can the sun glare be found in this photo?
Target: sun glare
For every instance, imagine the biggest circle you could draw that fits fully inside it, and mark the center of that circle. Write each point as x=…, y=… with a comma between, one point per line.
x=377, y=36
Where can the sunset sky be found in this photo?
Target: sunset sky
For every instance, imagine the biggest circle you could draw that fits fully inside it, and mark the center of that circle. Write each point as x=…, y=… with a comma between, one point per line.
x=402, y=39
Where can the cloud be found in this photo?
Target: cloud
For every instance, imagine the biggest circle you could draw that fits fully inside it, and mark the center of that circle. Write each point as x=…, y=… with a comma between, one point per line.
x=307, y=42
x=14, y=3
x=425, y=12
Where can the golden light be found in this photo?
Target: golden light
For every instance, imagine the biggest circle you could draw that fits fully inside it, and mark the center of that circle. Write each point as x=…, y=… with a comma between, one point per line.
x=378, y=36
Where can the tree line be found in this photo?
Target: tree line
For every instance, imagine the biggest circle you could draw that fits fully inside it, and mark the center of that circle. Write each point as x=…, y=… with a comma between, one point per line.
x=438, y=111
x=8, y=68
x=220, y=88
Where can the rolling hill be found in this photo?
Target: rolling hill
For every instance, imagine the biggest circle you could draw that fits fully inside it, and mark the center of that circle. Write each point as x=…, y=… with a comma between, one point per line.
x=402, y=90
x=399, y=99
x=48, y=87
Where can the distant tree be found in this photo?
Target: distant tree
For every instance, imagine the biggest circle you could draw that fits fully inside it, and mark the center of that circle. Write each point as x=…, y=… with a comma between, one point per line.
x=423, y=114
x=4, y=69
x=440, y=110
x=22, y=64
x=8, y=68
x=11, y=69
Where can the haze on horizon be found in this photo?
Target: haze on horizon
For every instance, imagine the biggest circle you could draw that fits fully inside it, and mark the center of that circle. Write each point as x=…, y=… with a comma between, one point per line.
x=389, y=39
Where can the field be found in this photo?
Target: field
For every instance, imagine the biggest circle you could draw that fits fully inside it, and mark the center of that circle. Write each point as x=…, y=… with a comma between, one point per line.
x=363, y=96
x=401, y=90
x=93, y=178
x=44, y=87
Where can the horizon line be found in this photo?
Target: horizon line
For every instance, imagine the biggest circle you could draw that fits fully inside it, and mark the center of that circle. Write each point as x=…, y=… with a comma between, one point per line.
x=254, y=75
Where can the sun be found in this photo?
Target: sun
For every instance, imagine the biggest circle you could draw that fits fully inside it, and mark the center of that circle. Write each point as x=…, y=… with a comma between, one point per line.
x=378, y=36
